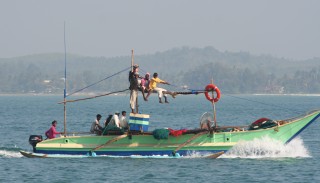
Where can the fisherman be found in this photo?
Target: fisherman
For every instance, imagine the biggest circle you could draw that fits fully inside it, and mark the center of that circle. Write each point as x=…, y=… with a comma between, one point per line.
x=123, y=120
x=107, y=121
x=52, y=132
x=134, y=86
x=144, y=85
x=161, y=91
x=115, y=120
x=95, y=127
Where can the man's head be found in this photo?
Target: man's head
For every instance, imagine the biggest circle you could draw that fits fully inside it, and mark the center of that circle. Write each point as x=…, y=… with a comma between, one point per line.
x=155, y=75
x=54, y=123
x=123, y=113
x=147, y=76
x=135, y=68
x=98, y=116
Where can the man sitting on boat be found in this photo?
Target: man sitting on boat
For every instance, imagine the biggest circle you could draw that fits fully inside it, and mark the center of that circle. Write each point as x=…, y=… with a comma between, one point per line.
x=123, y=120
x=108, y=119
x=161, y=91
x=52, y=132
x=115, y=120
x=95, y=127
x=144, y=85
x=114, y=126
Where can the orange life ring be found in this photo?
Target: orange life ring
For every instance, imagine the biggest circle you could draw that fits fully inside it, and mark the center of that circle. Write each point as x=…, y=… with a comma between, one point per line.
x=212, y=87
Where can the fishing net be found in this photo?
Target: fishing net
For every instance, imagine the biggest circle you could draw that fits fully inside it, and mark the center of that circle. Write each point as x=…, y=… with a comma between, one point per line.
x=161, y=133
x=177, y=132
x=110, y=128
x=262, y=123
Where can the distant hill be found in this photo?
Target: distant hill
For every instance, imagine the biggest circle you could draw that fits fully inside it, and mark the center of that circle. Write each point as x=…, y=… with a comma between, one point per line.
x=235, y=72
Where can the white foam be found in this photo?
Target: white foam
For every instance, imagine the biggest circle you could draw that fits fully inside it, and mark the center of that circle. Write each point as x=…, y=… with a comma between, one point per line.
x=268, y=148
x=10, y=154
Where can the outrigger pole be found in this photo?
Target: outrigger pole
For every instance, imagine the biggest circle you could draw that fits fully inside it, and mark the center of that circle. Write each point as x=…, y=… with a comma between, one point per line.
x=65, y=83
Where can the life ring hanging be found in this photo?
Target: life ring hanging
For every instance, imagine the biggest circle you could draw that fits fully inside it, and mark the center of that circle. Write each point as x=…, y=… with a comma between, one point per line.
x=212, y=87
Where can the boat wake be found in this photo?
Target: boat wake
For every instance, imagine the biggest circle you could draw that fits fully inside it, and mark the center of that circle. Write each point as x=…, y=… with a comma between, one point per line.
x=9, y=153
x=268, y=148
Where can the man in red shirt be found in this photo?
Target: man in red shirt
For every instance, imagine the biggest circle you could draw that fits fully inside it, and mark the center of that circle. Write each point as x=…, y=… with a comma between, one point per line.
x=51, y=133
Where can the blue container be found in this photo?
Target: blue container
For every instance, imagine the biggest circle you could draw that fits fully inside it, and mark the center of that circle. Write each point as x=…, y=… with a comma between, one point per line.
x=139, y=122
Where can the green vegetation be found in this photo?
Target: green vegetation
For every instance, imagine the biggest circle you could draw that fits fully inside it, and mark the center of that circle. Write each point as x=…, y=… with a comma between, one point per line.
x=232, y=72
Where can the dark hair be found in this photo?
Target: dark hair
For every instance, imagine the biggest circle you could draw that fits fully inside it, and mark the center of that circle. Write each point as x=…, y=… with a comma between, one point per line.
x=155, y=74
x=135, y=66
x=123, y=112
x=99, y=116
x=54, y=121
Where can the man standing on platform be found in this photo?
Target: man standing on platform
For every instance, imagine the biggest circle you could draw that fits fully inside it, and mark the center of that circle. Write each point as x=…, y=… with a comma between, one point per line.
x=134, y=85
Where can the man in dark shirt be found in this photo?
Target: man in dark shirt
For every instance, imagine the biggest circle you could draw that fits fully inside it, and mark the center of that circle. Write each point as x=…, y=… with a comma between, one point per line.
x=134, y=85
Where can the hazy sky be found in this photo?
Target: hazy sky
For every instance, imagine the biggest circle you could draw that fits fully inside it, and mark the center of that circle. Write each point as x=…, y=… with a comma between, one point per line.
x=282, y=28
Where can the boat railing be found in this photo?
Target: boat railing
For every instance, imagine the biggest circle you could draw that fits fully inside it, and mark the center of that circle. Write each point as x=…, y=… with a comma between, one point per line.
x=231, y=128
x=77, y=133
x=301, y=116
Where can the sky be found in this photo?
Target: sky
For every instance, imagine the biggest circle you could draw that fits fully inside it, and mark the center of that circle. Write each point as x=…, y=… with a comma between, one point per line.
x=280, y=28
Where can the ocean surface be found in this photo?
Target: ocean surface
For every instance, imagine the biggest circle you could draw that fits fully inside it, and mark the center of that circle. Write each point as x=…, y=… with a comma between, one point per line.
x=298, y=161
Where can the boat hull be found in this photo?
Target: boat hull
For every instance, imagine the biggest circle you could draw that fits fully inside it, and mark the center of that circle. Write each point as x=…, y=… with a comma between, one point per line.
x=147, y=145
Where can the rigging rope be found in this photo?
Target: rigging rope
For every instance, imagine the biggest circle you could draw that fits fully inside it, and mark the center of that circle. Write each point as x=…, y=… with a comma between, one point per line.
x=99, y=81
x=272, y=105
x=196, y=92
x=93, y=96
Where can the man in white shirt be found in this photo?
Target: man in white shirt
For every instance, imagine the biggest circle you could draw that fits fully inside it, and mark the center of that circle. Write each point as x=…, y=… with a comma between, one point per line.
x=115, y=120
x=123, y=120
x=95, y=127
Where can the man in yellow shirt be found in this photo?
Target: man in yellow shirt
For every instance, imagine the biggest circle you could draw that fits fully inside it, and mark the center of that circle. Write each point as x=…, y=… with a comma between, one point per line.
x=153, y=86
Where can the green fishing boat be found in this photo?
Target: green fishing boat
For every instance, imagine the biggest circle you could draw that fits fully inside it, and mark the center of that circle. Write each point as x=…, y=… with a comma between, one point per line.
x=209, y=140
x=203, y=141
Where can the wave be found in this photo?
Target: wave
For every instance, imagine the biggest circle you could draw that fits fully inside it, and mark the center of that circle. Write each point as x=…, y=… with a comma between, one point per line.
x=10, y=152
x=268, y=148
x=255, y=149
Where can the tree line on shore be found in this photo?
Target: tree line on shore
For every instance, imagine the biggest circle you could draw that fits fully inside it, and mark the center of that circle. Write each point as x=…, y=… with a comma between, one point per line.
x=233, y=72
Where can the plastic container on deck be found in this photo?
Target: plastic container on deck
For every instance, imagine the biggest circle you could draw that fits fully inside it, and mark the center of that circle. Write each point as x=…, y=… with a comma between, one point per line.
x=139, y=122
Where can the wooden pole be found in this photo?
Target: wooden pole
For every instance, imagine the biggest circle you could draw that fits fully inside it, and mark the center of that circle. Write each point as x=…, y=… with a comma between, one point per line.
x=187, y=142
x=109, y=142
x=65, y=83
x=132, y=60
x=214, y=109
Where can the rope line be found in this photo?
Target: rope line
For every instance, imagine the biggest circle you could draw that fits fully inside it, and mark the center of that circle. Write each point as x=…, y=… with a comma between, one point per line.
x=93, y=96
x=272, y=105
x=195, y=91
x=99, y=81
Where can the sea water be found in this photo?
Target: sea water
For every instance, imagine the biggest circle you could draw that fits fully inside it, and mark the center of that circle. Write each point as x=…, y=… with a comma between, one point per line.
x=260, y=160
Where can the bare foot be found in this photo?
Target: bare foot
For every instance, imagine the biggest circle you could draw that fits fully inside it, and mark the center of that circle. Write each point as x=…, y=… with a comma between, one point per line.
x=174, y=94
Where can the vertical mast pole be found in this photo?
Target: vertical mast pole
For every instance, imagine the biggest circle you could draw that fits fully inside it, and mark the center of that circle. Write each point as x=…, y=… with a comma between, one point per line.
x=65, y=83
x=214, y=109
x=132, y=60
